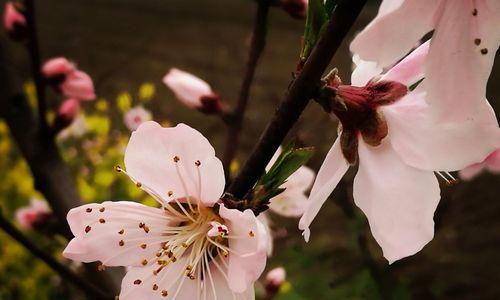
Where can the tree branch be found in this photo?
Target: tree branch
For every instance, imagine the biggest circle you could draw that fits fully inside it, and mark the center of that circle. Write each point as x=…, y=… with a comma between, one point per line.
x=235, y=119
x=34, y=53
x=89, y=289
x=301, y=90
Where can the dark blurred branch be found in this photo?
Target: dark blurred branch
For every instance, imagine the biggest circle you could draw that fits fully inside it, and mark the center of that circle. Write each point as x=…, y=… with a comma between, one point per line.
x=50, y=173
x=235, y=119
x=301, y=90
x=65, y=273
x=34, y=52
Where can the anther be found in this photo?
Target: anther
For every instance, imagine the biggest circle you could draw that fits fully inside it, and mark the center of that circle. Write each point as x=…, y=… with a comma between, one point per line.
x=137, y=281
x=138, y=184
x=101, y=268
x=141, y=225
x=250, y=233
x=87, y=229
x=101, y=209
x=164, y=293
x=118, y=169
x=121, y=231
x=484, y=51
x=143, y=246
x=474, y=12
x=89, y=210
x=102, y=221
x=121, y=243
x=146, y=228
x=197, y=163
x=170, y=193
x=155, y=287
x=144, y=262
x=477, y=41
x=184, y=245
x=176, y=158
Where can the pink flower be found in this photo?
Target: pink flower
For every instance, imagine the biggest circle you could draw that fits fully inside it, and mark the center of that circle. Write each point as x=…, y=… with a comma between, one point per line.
x=292, y=201
x=490, y=163
x=295, y=8
x=14, y=21
x=464, y=31
x=135, y=117
x=276, y=277
x=169, y=250
x=398, y=144
x=69, y=109
x=27, y=217
x=192, y=91
x=70, y=81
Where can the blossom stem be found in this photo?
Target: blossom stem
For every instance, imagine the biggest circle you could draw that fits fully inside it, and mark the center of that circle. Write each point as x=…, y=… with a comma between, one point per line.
x=92, y=291
x=235, y=119
x=302, y=89
x=34, y=52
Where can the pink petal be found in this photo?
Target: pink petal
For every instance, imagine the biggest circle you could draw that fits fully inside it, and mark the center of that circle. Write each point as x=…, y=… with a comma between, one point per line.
x=471, y=171
x=266, y=221
x=218, y=288
x=456, y=69
x=150, y=159
x=411, y=69
x=332, y=170
x=276, y=276
x=493, y=161
x=394, y=32
x=57, y=66
x=99, y=236
x=11, y=17
x=69, y=109
x=398, y=200
x=139, y=282
x=248, y=260
x=79, y=85
x=188, y=88
x=427, y=144
x=136, y=116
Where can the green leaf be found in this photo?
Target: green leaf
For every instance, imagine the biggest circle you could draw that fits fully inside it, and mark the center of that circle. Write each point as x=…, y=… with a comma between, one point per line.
x=318, y=14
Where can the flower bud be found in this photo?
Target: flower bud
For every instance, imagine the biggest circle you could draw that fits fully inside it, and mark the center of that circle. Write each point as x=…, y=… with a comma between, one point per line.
x=14, y=22
x=135, y=117
x=57, y=67
x=34, y=215
x=78, y=84
x=67, y=112
x=192, y=91
x=274, y=279
x=297, y=9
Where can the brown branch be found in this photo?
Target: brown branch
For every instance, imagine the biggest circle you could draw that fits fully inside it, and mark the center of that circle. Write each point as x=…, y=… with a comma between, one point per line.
x=301, y=90
x=234, y=120
x=92, y=291
x=50, y=173
x=34, y=53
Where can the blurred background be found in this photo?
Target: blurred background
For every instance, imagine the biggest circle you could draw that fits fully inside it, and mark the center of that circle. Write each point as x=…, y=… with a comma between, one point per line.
x=127, y=46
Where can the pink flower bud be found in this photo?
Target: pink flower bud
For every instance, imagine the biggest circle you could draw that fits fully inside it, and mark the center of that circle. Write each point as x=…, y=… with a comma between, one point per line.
x=274, y=279
x=295, y=8
x=67, y=112
x=135, y=117
x=79, y=85
x=27, y=217
x=59, y=66
x=192, y=91
x=14, y=22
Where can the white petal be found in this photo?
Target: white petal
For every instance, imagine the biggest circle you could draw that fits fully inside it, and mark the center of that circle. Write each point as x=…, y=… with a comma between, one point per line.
x=411, y=69
x=395, y=31
x=150, y=159
x=188, y=88
x=398, y=200
x=99, y=236
x=329, y=175
x=364, y=71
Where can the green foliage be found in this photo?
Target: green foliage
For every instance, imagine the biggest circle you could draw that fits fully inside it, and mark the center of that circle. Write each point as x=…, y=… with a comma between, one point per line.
x=318, y=14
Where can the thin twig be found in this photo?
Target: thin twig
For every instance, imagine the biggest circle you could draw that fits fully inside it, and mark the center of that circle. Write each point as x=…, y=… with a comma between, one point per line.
x=34, y=52
x=301, y=90
x=92, y=291
x=235, y=119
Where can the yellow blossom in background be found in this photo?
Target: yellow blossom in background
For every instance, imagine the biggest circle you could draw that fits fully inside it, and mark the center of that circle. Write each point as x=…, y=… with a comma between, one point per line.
x=51, y=115
x=285, y=287
x=234, y=167
x=30, y=92
x=101, y=105
x=166, y=123
x=98, y=124
x=123, y=101
x=87, y=192
x=146, y=91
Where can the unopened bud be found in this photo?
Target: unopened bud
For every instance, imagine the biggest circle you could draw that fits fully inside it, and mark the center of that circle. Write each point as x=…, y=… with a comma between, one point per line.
x=274, y=279
x=66, y=113
x=15, y=22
